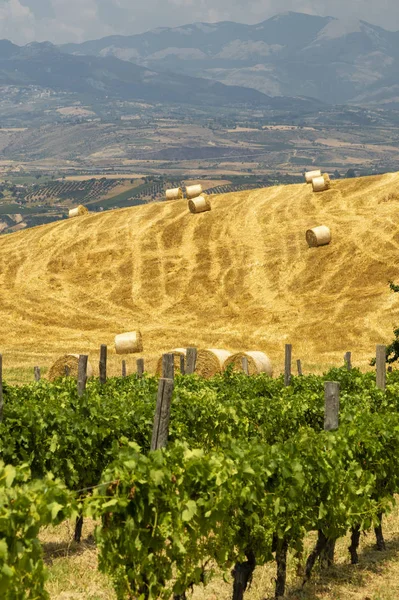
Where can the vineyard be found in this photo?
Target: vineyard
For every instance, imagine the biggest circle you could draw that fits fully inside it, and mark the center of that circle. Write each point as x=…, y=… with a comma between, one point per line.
x=248, y=471
x=76, y=191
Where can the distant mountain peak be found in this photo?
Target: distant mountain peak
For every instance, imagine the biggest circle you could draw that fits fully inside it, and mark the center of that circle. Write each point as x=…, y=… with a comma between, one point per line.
x=289, y=54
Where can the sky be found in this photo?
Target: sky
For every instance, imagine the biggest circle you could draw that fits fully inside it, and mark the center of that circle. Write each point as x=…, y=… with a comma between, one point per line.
x=61, y=21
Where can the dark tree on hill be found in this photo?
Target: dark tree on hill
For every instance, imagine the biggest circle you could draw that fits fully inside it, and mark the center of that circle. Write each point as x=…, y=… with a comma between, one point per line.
x=392, y=351
x=350, y=174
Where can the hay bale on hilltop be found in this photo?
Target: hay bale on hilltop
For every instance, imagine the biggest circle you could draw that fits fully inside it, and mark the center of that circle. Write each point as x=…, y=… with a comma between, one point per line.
x=177, y=352
x=129, y=343
x=71, y=361
x=192, y=191
x=199, y=205
x=258, y=362
x=318, y=236
x=211, y=361
x=78, y=211
x=174, y=194
x=320, y=184
x=311, y=175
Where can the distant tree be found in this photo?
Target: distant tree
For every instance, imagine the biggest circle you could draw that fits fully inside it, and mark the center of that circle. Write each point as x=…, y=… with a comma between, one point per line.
x=350, y=174
x=337, y=174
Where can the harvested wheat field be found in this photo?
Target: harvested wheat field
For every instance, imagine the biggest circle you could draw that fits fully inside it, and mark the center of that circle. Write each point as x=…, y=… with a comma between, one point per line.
x=240, y=277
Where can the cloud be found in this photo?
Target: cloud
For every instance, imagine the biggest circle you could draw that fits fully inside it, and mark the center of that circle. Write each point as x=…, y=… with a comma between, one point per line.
x=61, y=21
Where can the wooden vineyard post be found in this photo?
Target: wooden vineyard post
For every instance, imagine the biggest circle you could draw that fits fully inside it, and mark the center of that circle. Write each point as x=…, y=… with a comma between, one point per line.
x=182, y=365
x=160, y=430
x=381, y=376
x=103, y=363
x=390, y=369
x=123, y=368
x=67, y=371
x=140, y=367
x=1, y=389
x=331, y=405
x=36, y=372
x=168, y=366
x=82, y=373
x=191, y=360
x=299, y=367
x=287, y=368
x=331, y=422
x=348, y=360
x=245, y=365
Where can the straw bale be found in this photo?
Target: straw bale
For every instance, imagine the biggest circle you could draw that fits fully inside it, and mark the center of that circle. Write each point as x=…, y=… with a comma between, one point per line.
x=67, y=360
x=211, y=361
x=320, y=184
x=318, y=236
x=178, y=352
x=192, y=191
x=258, y=362
x=311, y=175
x=174, y=194
x=129, y=342
x=78, y=211
x=199, y=205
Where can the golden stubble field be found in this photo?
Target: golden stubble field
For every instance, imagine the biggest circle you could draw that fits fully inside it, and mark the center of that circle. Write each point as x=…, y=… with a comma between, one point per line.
x=240, y=277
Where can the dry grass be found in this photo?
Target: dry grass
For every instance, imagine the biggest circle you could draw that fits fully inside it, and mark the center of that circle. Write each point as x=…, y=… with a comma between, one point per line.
x=74, y=575
x=239, y=277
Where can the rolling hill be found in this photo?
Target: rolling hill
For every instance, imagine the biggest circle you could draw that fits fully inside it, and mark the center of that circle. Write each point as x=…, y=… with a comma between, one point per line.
x=238, y=277
x=291, y=54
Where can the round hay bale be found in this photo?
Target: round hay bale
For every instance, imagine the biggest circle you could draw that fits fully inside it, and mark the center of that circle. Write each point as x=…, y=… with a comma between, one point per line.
x=71, y=361
x=174, y=194
x=128, y=343
x=178, y=352
x=211, y=361
x=258, y=362
x=311, y=175
x=318, y=236
x=320, y=184
x=192, y=191
x=199, y=205
x=78, y=211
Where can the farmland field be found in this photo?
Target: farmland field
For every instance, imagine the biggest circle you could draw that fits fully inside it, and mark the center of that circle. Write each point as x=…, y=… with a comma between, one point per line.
x=238, y=277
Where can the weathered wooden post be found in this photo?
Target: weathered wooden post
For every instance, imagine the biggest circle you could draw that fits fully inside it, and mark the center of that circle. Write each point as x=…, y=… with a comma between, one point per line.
x=123, y=368
x=67, y=371
x=287, y=368
x=168, y=366
x=82, y=373
x=191, y=360
x=182, y=365
x=331, y=405
x=331, y=422
x=299, y=367
x=348, y=360
x=390, y=369
x=160, y=430
x=103, y=363
x=245, y=365
x=381, y=376
x=140, y=367
x=36, y=371
x=1, y=389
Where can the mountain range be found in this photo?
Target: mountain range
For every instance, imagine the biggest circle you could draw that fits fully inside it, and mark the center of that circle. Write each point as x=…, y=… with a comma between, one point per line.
x=110, y=78
x=292, y=54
